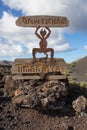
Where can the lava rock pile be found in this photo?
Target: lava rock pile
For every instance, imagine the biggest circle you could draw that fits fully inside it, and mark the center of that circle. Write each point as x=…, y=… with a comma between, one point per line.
x=39, y=94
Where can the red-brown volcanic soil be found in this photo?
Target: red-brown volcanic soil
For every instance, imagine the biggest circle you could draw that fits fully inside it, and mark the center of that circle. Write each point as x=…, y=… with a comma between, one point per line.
x=28, y=119
x=17, y=118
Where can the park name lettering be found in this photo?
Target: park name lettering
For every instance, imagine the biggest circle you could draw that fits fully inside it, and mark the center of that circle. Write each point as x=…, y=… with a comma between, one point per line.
x=52, y=21
x=36, y=69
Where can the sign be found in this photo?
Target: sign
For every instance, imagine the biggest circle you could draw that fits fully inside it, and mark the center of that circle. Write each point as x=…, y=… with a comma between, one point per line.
x=24, y=69
x=26, y=66
x=49, y=21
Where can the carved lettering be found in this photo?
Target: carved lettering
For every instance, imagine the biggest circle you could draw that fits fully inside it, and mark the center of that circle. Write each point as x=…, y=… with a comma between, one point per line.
x=43, y=21
x=19, y=68
x=36, y=69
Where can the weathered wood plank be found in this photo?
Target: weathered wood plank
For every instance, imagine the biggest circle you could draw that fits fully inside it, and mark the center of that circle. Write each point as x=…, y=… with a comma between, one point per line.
x=51, y=77
x=15, y=77
x=50, y=21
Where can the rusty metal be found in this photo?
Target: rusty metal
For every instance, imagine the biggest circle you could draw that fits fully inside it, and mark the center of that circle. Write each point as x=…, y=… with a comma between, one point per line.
x=43, y=43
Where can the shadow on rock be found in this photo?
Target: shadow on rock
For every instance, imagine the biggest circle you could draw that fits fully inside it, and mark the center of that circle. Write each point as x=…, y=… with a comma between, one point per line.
x=1, y=128
x=75, y=91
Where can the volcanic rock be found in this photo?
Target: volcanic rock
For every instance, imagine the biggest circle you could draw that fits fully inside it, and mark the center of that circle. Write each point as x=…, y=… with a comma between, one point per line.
x=79, y=104
x=48, y=95
x=9, y=85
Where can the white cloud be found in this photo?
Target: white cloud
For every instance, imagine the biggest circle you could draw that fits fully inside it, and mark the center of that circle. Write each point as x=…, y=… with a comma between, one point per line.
x=33, y=7
x=9, y=30
x=85, y=47
x=10, y=50
x=62, y=48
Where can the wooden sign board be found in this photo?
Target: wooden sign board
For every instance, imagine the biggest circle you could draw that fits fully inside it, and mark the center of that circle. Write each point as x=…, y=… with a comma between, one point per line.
x=49, y=21
x=26, y=66
x=26, y=69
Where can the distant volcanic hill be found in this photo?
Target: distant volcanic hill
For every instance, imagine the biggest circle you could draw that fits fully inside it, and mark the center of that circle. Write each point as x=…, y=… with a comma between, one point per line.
x=6, y=63
x=80, y=69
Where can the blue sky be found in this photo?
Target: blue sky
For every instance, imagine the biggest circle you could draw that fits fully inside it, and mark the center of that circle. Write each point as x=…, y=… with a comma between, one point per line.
x=69, y=43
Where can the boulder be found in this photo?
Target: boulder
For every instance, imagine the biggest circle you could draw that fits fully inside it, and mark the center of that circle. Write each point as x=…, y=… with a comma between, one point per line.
x=18, y=100
x=80, y=104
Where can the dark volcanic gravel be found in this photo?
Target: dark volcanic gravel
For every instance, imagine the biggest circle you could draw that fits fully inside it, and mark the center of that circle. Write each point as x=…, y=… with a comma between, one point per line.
x=13, y=118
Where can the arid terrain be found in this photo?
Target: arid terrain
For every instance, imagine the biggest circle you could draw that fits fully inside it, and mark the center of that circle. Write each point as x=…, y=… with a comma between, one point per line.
x=73, y=116
x=79, y=69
